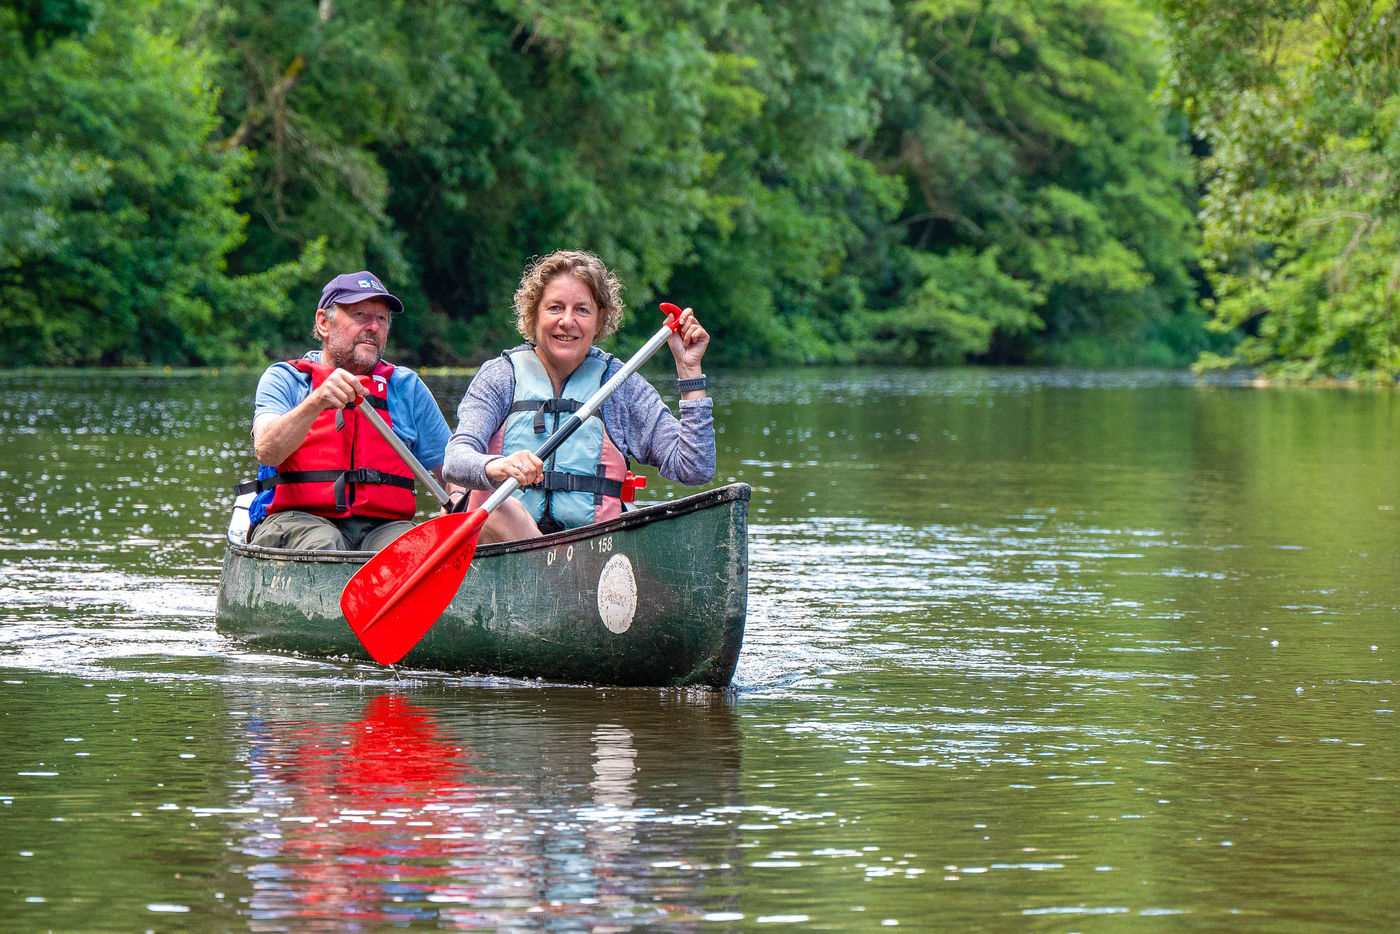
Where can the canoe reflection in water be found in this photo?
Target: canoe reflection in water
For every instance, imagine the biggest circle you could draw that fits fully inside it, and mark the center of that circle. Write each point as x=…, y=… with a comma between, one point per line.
x=345, y=808
x=579, y=808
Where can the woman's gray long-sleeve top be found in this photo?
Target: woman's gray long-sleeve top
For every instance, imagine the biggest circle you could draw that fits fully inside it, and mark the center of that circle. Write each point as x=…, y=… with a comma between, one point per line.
x=636, y=418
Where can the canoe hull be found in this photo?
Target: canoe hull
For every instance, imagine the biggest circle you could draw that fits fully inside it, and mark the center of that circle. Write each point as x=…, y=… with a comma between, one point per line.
x=655, y=597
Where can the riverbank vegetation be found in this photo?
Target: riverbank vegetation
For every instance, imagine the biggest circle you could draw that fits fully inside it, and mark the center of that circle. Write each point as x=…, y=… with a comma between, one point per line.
x=1089, y=182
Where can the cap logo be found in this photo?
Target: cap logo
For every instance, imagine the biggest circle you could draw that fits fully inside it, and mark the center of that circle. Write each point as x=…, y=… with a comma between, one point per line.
x=370, y=284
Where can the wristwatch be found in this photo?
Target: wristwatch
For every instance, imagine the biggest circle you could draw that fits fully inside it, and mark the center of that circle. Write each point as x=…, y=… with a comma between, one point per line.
x=695, y=382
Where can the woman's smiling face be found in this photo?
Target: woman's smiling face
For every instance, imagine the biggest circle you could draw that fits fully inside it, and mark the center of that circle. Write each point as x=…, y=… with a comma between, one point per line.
x=565, y=326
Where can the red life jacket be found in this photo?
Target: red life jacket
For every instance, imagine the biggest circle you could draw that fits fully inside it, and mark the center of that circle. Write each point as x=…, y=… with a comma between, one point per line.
x=344, y=467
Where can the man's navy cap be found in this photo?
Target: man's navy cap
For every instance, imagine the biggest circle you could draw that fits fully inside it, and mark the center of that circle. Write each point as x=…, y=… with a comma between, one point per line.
x=356, y=287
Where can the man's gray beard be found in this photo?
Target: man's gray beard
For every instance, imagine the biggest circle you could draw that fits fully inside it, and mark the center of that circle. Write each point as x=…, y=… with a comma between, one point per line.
x=353, y=368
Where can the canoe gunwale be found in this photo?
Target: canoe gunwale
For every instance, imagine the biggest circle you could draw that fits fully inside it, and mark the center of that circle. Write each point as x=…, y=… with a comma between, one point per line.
x=652, y=512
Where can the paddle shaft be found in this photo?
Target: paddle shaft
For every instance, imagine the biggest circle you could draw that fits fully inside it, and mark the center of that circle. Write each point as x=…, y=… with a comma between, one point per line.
x=411, y=581
x=572, y=423
x=395, y=442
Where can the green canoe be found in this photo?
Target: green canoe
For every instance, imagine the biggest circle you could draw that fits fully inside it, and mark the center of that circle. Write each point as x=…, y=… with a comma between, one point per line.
x=655, y=597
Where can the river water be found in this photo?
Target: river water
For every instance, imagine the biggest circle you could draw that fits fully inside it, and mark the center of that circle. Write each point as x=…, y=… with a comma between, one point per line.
x=1026, y=651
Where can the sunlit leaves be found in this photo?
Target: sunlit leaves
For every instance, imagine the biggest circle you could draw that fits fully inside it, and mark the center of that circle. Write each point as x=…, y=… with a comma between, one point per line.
x=1298, y=103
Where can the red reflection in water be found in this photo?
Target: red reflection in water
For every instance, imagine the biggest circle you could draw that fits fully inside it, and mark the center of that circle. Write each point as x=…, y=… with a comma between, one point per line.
x=368, y=819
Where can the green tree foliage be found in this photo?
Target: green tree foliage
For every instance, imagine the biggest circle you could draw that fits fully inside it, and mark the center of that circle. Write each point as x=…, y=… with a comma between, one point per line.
x=802, y=211
x=313, y=95
x=744, y=157
x=1299, y=105
x=705, y=150
x=565, y=125
x=444, y=144
x=1039, y=165
x=115, y=216
x=825, y=180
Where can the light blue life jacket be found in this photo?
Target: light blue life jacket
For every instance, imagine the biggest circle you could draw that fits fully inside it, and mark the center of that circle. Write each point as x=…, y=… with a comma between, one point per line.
x=583, y=479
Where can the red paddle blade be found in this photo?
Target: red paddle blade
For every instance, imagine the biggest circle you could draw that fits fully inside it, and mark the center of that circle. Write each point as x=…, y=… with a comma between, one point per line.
x=400, y=592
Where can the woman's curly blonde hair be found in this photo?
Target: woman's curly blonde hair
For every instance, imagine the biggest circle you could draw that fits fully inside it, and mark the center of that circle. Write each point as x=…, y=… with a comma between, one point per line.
x=582, y=265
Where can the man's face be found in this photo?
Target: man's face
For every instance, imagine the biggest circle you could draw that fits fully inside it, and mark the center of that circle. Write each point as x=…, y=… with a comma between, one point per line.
x=353, y=338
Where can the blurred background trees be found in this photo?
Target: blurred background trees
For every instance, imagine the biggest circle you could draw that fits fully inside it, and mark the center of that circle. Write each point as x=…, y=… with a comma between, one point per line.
x=1088, y=182
x=1298, y=108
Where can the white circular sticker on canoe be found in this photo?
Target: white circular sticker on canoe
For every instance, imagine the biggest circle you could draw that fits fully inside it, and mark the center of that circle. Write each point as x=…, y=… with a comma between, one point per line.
x=617, y=594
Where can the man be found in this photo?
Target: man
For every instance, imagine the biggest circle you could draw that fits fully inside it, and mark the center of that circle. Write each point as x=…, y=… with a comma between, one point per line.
x=329, y=480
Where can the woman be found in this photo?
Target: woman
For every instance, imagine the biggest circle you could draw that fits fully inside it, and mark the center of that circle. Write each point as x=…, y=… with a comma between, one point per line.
x=566, y=302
